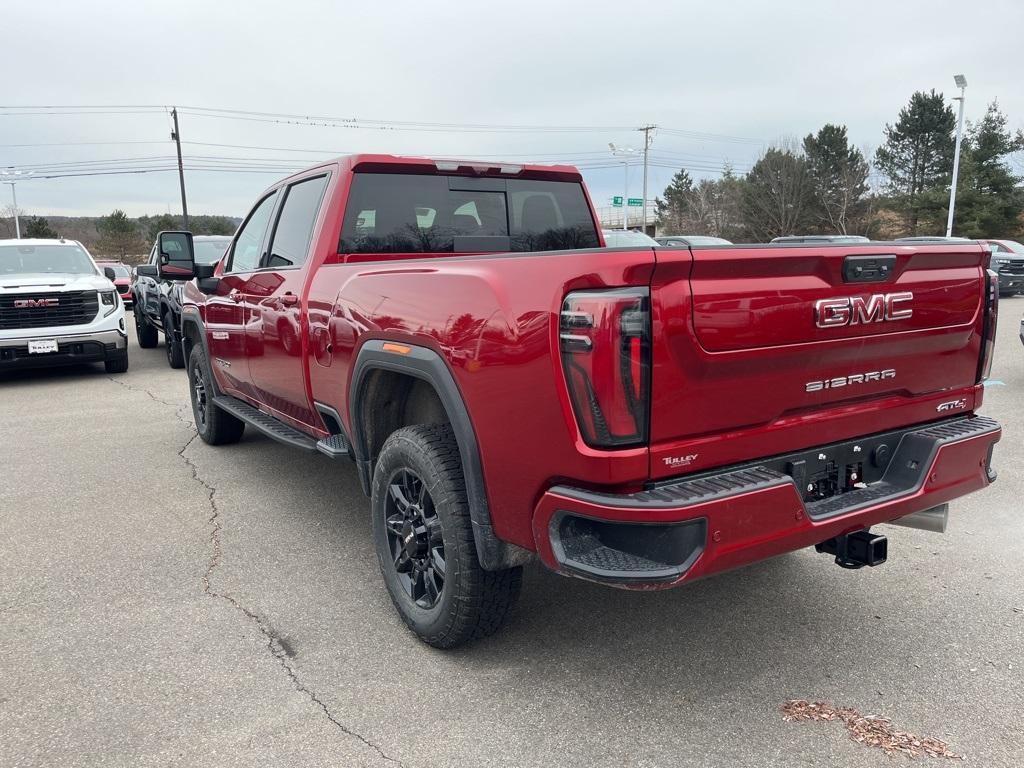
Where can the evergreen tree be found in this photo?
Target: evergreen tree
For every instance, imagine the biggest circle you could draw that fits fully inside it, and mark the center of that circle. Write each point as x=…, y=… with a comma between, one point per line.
x=778, y=195
x=38, y=226
x=839, y=176
x=917, y=157
x=673, y=211
x=989, y=200
x=118, y=235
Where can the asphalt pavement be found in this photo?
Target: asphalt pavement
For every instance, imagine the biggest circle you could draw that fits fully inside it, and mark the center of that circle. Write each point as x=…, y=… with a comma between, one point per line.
x=167, y=603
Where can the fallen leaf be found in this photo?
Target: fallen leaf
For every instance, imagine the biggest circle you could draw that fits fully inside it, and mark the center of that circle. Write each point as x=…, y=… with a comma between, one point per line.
x=870, y=730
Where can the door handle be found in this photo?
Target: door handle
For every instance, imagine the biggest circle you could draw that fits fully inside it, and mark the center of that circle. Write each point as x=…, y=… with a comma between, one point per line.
x=289, y=299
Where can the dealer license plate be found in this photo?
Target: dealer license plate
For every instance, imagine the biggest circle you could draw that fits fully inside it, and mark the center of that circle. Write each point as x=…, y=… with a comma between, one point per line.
x=42, y=346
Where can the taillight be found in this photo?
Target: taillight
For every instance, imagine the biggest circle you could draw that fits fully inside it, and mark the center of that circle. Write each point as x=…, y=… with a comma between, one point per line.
x=988, y=337
x=605, y=340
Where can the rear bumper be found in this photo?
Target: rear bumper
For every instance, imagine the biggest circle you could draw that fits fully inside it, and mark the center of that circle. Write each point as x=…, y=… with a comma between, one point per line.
x=699, y=526
x=72, y=349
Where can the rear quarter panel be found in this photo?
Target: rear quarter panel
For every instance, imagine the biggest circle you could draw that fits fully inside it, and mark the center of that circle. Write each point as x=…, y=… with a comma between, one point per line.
x=493, y=320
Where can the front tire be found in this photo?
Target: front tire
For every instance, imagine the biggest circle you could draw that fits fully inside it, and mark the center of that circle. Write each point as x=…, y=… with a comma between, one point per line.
x=424, y=540
x=214, y=425
x=146, y=334
x=117, y=364
x=175, y=355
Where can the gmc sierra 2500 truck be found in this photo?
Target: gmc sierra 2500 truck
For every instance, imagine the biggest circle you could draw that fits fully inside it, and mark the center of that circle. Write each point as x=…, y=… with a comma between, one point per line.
x=509, y=389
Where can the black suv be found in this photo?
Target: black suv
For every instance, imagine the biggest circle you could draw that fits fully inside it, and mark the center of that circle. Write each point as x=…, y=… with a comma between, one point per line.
x=158, y=300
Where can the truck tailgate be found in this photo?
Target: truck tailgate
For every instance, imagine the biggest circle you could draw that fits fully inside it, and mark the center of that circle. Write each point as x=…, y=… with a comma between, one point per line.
x=760, y=350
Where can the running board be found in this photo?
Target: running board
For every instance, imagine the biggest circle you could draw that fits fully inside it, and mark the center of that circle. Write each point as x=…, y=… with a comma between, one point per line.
x=266, y=423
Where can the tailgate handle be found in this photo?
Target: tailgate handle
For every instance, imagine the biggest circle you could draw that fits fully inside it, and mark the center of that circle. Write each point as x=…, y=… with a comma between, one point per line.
x=868, y=269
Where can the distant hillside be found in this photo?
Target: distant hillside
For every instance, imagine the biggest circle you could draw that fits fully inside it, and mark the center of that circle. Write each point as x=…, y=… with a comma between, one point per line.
x=135, y=242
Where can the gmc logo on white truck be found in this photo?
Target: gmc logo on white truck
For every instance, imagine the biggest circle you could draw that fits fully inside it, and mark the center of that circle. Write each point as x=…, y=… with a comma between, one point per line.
x=857, y=310
x=32, y=303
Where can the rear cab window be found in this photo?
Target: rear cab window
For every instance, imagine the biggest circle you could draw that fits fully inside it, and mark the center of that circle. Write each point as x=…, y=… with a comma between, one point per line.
x=414, y=213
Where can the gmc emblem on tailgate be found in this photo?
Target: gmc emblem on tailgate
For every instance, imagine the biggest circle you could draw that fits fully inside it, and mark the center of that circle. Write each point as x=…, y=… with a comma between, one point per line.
x=31, y=303
x=857, y=310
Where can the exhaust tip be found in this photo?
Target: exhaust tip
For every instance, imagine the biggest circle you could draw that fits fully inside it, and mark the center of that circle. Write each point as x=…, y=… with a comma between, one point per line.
x=934, y=519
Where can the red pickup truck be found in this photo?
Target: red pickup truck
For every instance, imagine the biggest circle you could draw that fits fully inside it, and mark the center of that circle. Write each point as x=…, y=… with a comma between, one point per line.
x=509, y=389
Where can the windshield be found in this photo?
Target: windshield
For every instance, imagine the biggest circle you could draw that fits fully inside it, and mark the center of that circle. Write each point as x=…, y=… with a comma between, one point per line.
x=59, y=259
x=617, y=238
x=1014, y=246
x=210, y=251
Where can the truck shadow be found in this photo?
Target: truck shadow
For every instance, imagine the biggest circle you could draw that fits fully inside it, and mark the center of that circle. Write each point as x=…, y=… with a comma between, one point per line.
x=55, y=374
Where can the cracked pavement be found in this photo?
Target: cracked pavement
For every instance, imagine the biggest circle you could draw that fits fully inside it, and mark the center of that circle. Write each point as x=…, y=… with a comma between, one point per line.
x=166, y=603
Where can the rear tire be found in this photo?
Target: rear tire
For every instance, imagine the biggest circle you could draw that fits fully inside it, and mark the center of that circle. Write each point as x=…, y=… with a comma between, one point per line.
x=146, y=334
x=424, y=540
x=175, y=354
x=214, y=425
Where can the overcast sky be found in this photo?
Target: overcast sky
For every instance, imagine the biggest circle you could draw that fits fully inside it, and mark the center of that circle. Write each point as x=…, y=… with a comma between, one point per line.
x=746, y=72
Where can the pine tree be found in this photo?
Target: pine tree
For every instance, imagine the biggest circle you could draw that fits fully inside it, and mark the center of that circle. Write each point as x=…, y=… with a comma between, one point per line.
x=917, y=157
x=38, y=226
x=839, y=176
x=989, y=201
x=118, y=235
x=673, y=211
x=778, y=195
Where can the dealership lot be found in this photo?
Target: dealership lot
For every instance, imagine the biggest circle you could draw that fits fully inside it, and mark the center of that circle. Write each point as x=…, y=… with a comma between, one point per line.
x=163, y=602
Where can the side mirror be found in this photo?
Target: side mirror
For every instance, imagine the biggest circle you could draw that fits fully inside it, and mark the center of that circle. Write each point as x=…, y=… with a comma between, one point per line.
x=177, y=260
x=109, y=273
x=146, y=270
x=205, y=279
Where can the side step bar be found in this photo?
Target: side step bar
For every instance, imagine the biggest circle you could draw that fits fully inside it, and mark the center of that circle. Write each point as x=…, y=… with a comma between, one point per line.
x=334, y=446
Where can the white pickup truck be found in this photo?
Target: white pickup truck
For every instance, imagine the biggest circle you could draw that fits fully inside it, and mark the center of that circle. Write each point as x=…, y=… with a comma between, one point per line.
x=58, y=308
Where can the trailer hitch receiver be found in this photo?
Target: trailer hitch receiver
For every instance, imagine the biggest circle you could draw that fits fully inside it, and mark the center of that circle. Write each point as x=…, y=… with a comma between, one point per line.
x=857, y=549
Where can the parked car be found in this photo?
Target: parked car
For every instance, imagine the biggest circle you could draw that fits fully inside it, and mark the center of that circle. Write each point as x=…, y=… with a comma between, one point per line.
x=821, y=239
x=687, y=240
x=1008, y=263
x=637, y=417
x=627, y=238
x=157, y=302
x=122, y=280
x=58, y=308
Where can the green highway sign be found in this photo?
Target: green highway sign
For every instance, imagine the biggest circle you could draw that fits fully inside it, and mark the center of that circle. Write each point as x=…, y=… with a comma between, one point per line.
x=617, y=201
x=636, y=202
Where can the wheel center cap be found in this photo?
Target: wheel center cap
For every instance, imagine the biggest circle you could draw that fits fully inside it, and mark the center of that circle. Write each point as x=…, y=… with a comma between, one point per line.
x=411, y=542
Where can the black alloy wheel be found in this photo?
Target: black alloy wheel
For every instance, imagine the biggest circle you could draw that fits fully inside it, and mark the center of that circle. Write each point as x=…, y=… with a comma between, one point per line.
x=415, y=538
x=200, y=405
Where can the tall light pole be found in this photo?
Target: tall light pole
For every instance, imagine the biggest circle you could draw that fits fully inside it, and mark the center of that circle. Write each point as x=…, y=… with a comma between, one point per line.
x=12, y=177
x=624, y=152
x=961, y=83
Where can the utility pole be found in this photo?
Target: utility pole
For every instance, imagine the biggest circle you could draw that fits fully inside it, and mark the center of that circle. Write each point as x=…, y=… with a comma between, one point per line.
x=647, y=146
x=961, y=83
x=176, y=135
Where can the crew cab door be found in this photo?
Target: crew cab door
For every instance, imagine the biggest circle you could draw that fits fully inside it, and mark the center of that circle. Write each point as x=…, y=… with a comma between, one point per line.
x=232, y=342
x=276, y=294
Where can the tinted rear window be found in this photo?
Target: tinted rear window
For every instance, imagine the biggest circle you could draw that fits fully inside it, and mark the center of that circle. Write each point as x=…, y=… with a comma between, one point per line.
x=407, y=213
